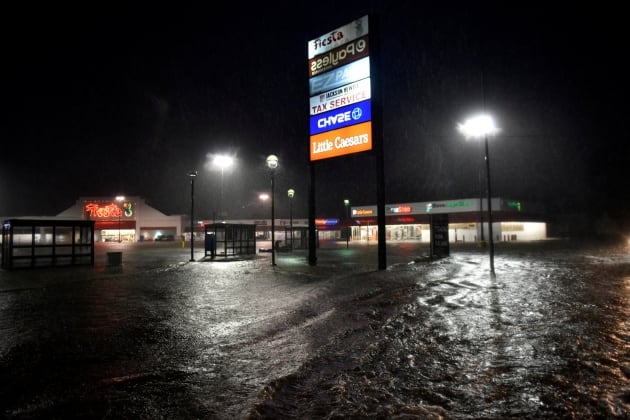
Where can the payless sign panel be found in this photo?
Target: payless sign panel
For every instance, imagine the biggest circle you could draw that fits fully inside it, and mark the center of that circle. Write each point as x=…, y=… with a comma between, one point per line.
x=339, y=74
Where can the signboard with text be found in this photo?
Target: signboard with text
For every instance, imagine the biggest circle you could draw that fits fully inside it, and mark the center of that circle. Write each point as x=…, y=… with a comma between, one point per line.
x=343, y=141
x=439, y=235
x=340, y=92
x=108, y=210
x=340, y=97
x=342, y=117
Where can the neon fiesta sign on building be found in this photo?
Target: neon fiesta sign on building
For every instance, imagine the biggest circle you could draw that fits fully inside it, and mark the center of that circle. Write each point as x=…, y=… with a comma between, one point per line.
x=95, y=210
x=339, y=70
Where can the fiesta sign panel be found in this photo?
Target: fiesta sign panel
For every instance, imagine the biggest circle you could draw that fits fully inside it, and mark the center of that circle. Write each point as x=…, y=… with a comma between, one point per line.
x=338, y=37
x=107, y=210
x=340, y=92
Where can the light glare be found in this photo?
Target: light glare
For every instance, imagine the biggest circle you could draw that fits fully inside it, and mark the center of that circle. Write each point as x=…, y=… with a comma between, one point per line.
x=478, y=127
x=272, y=161
x=223, y=161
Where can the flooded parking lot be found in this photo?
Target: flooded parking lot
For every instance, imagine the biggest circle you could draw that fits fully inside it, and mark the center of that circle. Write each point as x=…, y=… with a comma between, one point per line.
x=160, y=336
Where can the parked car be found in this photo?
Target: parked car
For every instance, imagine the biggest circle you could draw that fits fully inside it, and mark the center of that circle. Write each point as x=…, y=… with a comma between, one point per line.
x=165, y=238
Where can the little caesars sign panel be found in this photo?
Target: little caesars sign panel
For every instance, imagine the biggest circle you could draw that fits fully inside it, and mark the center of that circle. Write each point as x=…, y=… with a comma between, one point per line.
x=340, y=92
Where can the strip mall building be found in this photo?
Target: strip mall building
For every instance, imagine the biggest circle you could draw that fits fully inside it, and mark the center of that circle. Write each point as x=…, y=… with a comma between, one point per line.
x=468, y=220
x=133, y=220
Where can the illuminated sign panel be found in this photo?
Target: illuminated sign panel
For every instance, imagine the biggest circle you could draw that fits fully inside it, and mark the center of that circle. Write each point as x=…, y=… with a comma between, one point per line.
x=341, y=117
x=343, y=75
x=515, y=205
x=338, y=37
x=95, y=210
x=363, y=212
x=338, y=57
x=340, y=91
x=351, y=139
x=326, y=222
x=342, y=96
x=449, y=207
x=400, y=209
x=422, y=208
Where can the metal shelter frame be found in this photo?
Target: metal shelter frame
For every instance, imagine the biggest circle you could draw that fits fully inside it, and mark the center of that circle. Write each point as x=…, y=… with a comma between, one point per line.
x=30, y=243
x=230, y=240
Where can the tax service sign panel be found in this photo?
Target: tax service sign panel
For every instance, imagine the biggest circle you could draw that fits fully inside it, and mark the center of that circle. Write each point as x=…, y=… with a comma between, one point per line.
x=340, y=97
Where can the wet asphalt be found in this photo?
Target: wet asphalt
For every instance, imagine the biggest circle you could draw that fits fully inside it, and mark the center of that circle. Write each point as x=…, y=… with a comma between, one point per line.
x=160, y=336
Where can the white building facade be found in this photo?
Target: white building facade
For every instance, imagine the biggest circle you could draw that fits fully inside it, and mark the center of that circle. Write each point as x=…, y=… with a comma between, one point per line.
x=129, y=219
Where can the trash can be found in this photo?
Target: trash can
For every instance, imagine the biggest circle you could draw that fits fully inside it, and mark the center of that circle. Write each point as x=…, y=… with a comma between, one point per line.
x=114, y=258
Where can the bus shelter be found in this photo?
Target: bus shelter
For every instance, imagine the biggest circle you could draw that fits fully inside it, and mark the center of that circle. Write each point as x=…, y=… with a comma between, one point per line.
x=296, y=237
x=29, y=243
x=230, y=240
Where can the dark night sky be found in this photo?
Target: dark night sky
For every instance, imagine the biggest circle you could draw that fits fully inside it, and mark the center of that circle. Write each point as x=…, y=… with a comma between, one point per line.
x=128, y=99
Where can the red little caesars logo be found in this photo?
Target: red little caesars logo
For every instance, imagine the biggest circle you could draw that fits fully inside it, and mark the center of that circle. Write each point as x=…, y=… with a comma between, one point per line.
x=343, y=141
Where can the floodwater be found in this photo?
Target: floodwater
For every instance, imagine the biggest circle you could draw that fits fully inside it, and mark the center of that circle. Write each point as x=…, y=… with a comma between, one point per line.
x=162, y=337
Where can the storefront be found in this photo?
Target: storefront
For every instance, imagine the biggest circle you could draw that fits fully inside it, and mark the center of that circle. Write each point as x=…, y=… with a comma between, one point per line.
x=125, y=219
x=512, y=220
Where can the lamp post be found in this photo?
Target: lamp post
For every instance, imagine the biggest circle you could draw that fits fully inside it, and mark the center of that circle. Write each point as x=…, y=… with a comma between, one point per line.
x=291, y=193
x=272, y=164
x=346, y=203
x=479, y=127
x=222, y=161
x=192, y=175
x=120, y=199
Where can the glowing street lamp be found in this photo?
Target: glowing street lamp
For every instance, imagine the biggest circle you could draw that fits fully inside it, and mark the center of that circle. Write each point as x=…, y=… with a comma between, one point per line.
x=222, y=161
x=291, y=193
x=480, y=127
x=192, y=175
x=272, y=164
x=120, y=199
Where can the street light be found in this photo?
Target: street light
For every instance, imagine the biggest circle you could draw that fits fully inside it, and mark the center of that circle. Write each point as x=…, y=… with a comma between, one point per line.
x=192, y=175
x=120, y=199
x=263, y=197
x=346, y=203
x=272, y=164
x=479, y=127
x=222, y=161
x=291, y=193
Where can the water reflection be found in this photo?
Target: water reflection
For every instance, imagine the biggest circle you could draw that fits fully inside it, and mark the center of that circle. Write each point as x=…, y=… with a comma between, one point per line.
x=548, y=337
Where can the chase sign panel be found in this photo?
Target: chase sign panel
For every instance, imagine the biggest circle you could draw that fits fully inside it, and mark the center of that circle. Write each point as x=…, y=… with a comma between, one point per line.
x=342, y=117
x=340, y=92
